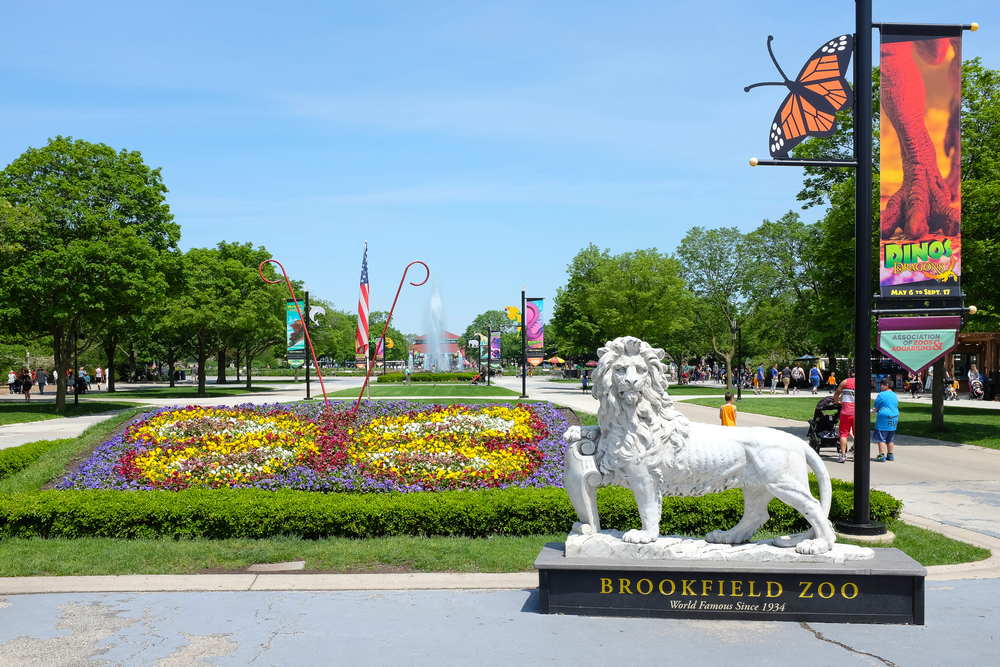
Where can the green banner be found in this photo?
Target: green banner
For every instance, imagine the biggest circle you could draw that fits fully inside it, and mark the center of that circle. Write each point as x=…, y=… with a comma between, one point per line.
x=916, y=349
x=296, y=335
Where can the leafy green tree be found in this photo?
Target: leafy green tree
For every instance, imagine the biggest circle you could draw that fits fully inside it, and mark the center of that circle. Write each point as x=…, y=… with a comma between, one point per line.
x=98, y=249
x=719, y=267
x=638, y=293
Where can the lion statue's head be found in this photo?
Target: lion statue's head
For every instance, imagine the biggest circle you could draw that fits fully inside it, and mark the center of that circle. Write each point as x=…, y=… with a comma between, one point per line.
x=637, y=418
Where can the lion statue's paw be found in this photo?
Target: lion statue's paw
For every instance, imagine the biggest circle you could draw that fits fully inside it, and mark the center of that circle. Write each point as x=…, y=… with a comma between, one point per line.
x=572, y=434
x=811, y=547
x=727, y=537
x=640, y=536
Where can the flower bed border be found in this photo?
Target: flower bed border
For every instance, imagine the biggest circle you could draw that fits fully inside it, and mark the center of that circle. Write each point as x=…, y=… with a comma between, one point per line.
x=253, y=513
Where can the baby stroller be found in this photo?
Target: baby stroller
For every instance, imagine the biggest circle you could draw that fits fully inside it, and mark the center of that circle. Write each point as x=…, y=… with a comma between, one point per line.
x=950, y=389
x=976, y=392
x=823, y=426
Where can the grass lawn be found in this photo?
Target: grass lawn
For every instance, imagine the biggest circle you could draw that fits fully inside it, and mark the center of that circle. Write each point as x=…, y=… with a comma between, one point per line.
x=19, y=413
x=972, y=426
x=213, y=391
x=94, y=555
x=428, y=389
x=108, y=556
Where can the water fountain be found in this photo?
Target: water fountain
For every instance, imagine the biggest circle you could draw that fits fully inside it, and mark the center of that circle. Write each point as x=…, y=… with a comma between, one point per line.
x=435, y=360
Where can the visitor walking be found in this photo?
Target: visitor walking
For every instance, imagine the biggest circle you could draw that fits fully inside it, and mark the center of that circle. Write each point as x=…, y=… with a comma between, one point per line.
x=42, y=378
x=774, y=378
x=99, y=376
x=786, y=377
x=11, y=379
x=914, y=385
x=798, y=376
x=886, y=413
x=406, y=374
x=814, y=378
x=930, y=378
x=832, y=381
x=844, y=396
x=26, y=384
x=727, y=413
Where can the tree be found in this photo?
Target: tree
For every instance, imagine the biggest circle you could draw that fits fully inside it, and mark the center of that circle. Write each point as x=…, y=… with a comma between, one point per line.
x=98, y=249
x=638, y=293
x=719, y=270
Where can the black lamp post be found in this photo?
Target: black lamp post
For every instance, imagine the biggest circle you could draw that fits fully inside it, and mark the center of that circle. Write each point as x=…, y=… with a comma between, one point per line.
x=305, y=324
x=738, y=335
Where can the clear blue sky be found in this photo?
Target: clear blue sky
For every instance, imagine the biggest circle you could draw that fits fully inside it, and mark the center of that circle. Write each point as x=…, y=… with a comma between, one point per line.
x=491, y=140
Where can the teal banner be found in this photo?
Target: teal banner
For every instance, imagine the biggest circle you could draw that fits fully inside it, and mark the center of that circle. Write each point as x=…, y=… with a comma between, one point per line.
x=916, y=349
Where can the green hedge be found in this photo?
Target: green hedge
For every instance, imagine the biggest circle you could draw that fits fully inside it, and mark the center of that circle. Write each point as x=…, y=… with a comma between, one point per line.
x=251, y=513
x=16, y=459
x=428, y=377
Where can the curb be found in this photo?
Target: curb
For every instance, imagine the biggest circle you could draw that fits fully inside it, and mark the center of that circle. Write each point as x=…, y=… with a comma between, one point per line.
x=982, y=569
x=268, y=582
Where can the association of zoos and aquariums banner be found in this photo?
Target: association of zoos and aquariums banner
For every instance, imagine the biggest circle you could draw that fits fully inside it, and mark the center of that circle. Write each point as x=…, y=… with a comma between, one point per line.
x=920, y=143
x=295, y=335
x=536, y=330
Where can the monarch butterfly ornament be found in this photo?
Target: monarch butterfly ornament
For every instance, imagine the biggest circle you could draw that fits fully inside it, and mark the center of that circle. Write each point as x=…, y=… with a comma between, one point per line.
x=814, y=97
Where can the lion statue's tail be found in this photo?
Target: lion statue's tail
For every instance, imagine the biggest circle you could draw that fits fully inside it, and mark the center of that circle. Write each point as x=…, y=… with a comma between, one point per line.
x=822, y=478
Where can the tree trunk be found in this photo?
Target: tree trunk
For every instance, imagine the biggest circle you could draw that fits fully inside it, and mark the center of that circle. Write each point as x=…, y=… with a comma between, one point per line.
x=237, y=364
x=937, y=396
x=202, y=358
x=111, y=345
x=171, y=359
x=249, y=358
x=220, y=378
x=729, y=363
x=58, y=338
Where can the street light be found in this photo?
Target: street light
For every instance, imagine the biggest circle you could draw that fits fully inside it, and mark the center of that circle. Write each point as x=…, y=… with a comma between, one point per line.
x=738, y=334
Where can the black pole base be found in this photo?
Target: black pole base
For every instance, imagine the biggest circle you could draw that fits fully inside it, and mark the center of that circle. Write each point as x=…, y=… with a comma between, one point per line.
x=861, y=529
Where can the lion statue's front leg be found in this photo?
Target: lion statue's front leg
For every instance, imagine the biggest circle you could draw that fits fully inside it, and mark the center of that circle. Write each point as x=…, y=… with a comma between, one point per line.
x=581, y=476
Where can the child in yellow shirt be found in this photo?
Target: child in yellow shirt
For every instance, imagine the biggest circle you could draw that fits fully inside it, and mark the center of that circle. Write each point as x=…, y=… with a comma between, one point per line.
x=727, y=413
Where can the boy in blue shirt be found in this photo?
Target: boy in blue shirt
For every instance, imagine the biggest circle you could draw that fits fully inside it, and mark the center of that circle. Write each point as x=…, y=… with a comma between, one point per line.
x=887, y=416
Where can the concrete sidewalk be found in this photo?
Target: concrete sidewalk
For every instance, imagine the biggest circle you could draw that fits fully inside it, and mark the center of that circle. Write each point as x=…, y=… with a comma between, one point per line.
x=460, y=627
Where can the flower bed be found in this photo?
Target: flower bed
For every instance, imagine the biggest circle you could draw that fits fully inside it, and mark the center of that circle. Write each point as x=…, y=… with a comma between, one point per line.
x=385, y=446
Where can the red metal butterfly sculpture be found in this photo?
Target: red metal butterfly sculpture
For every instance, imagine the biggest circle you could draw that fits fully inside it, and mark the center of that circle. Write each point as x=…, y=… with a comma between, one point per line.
x=814, y=97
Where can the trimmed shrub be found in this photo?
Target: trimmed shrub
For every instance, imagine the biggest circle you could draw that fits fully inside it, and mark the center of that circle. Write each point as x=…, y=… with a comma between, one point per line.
x=427, y=377
x=252, y=513
x=16, y=459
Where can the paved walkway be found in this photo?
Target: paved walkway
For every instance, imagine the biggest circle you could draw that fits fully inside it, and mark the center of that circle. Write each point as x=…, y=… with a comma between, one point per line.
x=460, y=627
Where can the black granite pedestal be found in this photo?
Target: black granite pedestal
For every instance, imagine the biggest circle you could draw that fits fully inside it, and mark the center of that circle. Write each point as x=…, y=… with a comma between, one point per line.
x=886, y=589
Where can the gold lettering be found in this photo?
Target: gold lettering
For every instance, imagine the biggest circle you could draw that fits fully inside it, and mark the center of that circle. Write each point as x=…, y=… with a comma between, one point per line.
x=808, y=585
x=673, y=587
x=843, y=591
x=686, y=587
x=832, y=590
x=722, y=589
x=624, y=587
x=750, y=594
x=706, y=586
x=737, y=589
x=638, y=586
x=606, y=586
x=769, y=585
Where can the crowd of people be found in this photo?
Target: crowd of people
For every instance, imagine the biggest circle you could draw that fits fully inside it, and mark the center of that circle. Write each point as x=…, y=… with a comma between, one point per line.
x=24, y=380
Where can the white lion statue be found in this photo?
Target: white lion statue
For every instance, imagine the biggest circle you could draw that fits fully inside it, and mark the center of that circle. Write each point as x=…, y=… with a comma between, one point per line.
x=642, y=443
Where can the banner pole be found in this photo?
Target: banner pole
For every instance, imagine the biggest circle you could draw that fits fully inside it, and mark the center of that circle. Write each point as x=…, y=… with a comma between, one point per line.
x=524, y=347
x=862, y=260
x=305, y=323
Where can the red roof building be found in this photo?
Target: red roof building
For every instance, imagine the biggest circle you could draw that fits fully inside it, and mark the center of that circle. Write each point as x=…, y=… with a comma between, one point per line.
x=449, y=343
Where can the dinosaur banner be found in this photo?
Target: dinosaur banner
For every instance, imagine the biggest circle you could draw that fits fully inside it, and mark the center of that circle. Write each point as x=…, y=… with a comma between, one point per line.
x=917, y=342
x=920, y=141
x=536, y=331
x=295, y=334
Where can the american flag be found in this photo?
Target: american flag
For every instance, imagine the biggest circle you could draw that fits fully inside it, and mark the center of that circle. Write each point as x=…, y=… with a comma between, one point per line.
x=361, y=338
